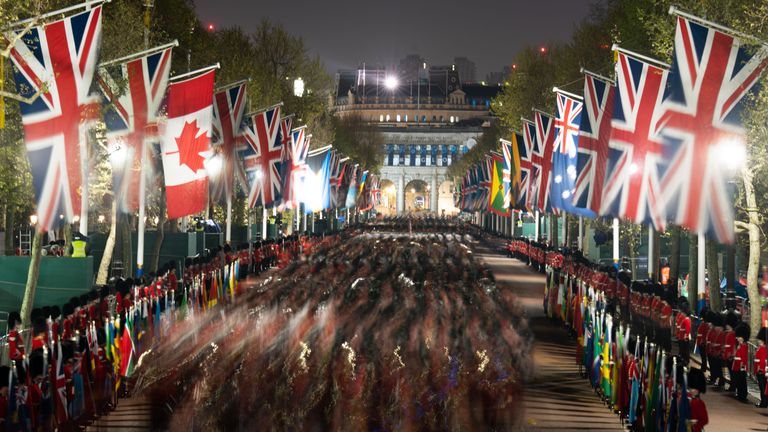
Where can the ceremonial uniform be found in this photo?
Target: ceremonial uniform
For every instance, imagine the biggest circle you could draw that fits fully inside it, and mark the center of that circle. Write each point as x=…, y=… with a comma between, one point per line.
x=699, y=417
x=740, y=362
x=761, y=368
x=713, y=354
x=727, y=351
x=701, y=342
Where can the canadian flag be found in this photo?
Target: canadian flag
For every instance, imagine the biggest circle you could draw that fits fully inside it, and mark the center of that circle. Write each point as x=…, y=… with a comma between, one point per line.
x=186, y=145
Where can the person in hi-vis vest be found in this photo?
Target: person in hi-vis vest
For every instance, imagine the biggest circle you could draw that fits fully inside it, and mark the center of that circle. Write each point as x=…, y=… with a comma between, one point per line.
x=79, y=245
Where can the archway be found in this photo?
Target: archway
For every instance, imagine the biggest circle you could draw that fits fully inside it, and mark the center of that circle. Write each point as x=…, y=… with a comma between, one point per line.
x=417, y=196
x=388, y=204
x=445, y=199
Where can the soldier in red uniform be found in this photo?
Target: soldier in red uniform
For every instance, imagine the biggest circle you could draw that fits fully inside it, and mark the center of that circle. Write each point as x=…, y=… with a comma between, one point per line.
x=728, y=345
x=713, y=350
x=665, y=324
x=760, y=368
x=697, y=386
x=740, y=361
x=701, y=337
x=683, y=331
x=15, y=342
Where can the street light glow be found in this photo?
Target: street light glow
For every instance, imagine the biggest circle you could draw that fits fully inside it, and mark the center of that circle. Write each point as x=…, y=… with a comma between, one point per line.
x=298, y=87
x=390, y=82
x=214, y=165
x=732, y=152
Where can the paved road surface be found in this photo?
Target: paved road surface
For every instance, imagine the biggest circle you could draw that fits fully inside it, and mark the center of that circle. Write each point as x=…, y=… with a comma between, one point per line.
x=558, y=398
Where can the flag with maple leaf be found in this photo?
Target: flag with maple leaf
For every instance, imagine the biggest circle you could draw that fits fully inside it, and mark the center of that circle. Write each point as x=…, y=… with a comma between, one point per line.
x=186, y=143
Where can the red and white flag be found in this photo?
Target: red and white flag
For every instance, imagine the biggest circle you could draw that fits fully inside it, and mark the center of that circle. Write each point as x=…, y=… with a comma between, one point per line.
x=186, y=144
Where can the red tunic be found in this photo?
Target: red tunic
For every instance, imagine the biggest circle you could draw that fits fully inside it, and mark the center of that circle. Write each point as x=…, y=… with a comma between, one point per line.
x=698, y=413
x=760, y=357
x=728, y=348
x=713, y=342
x=685, y=328
x=740, y=358
x=701, y=335
x=15, y=346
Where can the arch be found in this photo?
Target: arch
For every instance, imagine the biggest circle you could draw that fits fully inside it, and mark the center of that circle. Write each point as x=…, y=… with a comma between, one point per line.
x=388, y=204
x=445, y=199
x=417, y=196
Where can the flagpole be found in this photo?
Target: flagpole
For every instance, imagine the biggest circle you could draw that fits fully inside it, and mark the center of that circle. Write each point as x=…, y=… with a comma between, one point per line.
x=133, y=56
x=616, y=241
x=673, y=10
x=581, y=233
x=228, y=237
x=565, y=93
x=700, y=268
x=536, y=224
x=263, y=223
x=651, y=261
x=598, y=76
x=84, y=5
x=142, y=216
x=195, y=72
x=615, y=47
x=267, y=108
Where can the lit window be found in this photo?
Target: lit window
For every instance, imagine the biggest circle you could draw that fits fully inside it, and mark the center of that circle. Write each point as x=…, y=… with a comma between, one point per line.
x=406, y=118
x=381, y=118
x=387, y=117
x=451, y=119
x=398, y=118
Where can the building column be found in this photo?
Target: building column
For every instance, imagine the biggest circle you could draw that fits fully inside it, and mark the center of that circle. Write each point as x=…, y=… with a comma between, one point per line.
x=433, y=193
x=401, y=194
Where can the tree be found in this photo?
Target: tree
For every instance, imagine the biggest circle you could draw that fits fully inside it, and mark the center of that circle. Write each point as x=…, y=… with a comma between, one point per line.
x=359, y=140
x=31, y=286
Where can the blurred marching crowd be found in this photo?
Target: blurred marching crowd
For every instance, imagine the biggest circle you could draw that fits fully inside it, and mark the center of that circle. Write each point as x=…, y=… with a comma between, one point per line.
x=374, y=330
x=624, y=332
x=80, y=355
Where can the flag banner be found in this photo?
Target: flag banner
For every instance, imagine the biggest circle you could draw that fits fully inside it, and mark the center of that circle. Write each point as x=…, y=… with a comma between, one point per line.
x=362, y=178
x=499, y=186
x=226, y=139
x=631, y=187
x=474, y=188
x=294, y=165
x=542, y=158
x=565, y=156
x=702, y=126
x=58, y=61
x=371, y=193
x=127, y=348
x=533, y=149
x=594, y=133
x=338, y=165
x=351, y=197
x=263, y=157
x=522, y=153
x=484, y=186
x=132, y=94
x=316, y=186
x=186, y=144
x=511, y=168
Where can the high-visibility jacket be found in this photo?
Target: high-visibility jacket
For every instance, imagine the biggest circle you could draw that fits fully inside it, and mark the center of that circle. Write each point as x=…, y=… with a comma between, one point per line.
x=78, y=249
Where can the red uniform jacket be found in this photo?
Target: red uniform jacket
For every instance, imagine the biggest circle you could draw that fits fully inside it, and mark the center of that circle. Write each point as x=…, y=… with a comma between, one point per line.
x=728, y=349
x=713, y=342
x=701, y=335
x=740, y=358
x=698, y=413
x=15, y=346
x=760, y=357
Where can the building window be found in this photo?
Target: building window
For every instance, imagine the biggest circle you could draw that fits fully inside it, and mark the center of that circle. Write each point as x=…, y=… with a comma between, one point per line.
x=441, y=119
x=381, y=118
x=406, y=118
x=398, y=118
x=387, y=117
x=451, y=119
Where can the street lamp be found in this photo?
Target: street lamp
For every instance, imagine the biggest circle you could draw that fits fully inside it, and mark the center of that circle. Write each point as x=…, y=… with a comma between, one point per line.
x=390, y=82
x=33, y=219
x=298, y=87
x=214, y=166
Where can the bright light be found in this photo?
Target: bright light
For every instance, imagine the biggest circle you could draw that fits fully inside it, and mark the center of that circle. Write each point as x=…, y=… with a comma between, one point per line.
x=390, y=82
x=298, y=87
x=543, y=50
x=514, y=66
x=214, y=166
x=633, y=168
x=33, y=219
x=101, y=218
x=732, y=152
x=210, y=27
x=117, y=156
x=413, y=190
x=258, y=174
x=76, y=218
x=61, y=216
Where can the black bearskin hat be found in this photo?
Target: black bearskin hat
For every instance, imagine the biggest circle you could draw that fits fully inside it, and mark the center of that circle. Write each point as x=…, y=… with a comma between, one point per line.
x=696, y=380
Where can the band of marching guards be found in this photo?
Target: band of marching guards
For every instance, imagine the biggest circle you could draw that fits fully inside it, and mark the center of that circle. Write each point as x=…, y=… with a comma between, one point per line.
x=82, y=354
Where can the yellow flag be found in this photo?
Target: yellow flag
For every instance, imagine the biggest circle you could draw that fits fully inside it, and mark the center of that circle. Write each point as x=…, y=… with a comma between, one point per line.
x=2, y=88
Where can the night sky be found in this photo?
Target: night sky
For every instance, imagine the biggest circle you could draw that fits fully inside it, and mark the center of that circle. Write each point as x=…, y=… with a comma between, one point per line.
x=347, y=32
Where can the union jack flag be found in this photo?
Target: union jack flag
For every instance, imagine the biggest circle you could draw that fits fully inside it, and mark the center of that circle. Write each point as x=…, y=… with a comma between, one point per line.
x=484, y=184
x=263, y=157
x=631, y=188
x=58, y=60
x=594, y=133
x=59, y=381
x=545, y=137
x=711, y=73
x=338, y=164
x=532, y=150
x=131, y=118
x=294, y=162
x=227, y=139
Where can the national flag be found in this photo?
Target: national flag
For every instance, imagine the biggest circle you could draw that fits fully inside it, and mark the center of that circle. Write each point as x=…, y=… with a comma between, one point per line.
x=351, y=198
x=226, y=138
x=132, y=94
x=316, y=187
x=594, y=133
x=499, y=186
x=511, y=172
x=59, y=381
x=522, y=152
x=186, y=144
x=338, y=165
x=371, y=194
x=631, y=188
x=534, y=151
x=127, y=349
x=58, y=61
x=565, y=155
x=263, y=157
x=542, y=158
x=702, y=124
x=294, y=165
x=361, y=179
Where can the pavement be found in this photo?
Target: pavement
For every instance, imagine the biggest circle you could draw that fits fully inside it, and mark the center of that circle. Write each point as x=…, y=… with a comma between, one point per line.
x=557, y=398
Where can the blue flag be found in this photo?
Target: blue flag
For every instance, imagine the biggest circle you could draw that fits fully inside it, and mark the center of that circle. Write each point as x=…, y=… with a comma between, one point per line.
x=316, y=190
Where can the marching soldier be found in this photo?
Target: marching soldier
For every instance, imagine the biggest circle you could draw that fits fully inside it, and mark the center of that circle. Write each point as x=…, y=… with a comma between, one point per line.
x=683, y=331
x=760, y=368
x=740, y=361
x=697, y=385
x=701, y=337
x=728, y=345
x=714, y=342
